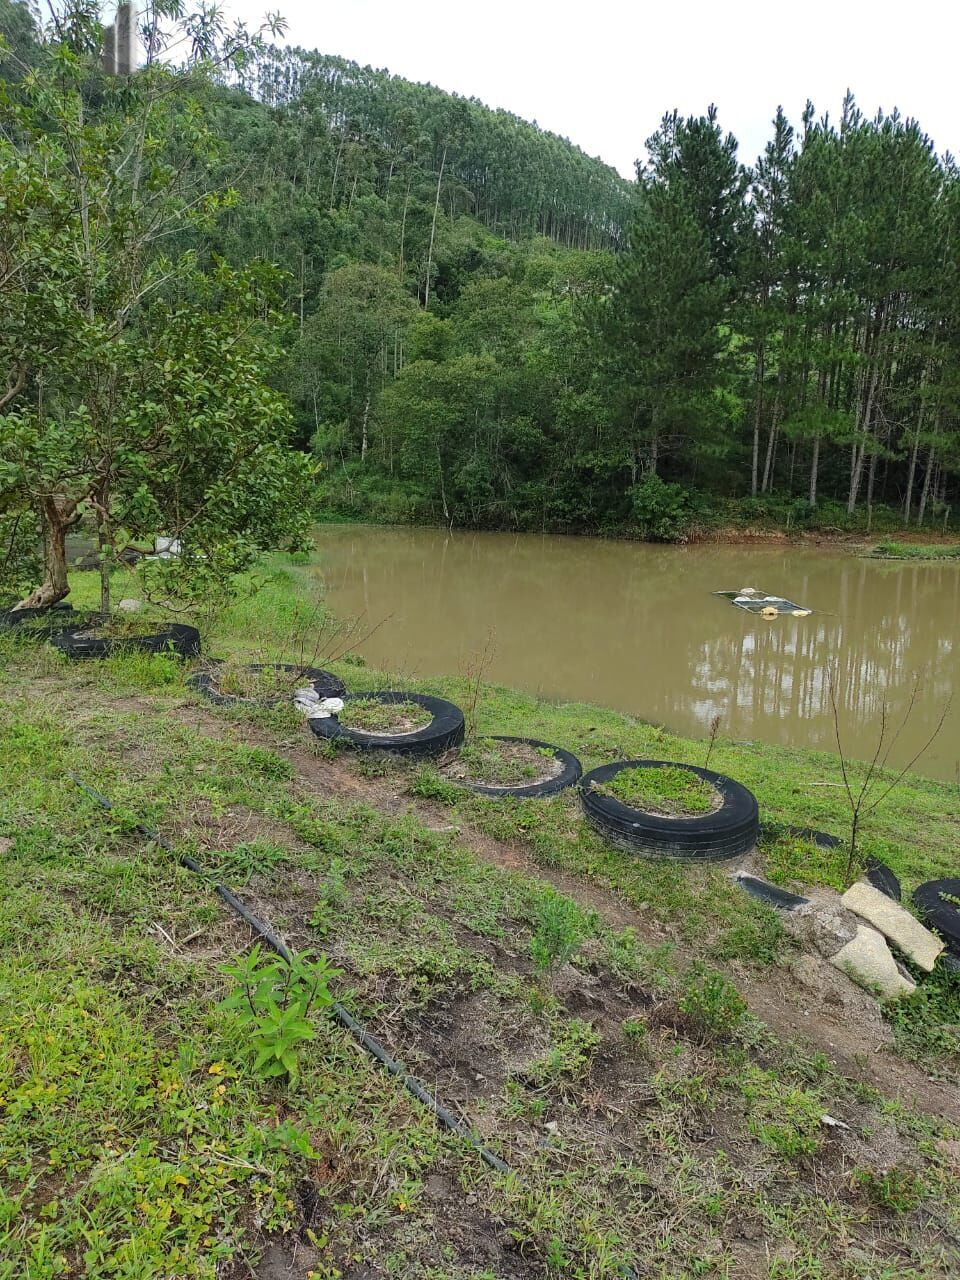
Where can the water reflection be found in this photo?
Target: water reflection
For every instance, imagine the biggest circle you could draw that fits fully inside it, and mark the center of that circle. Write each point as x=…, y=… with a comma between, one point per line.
x=636, y=627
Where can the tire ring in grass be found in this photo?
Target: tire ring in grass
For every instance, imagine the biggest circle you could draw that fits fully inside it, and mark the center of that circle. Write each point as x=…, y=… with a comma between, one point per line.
x=569, y=774
x=175, y=638
x=14, y=619
x=938, y=914
x=883, y=878
x=324, y=682
x=729, y=832
x=445, y=731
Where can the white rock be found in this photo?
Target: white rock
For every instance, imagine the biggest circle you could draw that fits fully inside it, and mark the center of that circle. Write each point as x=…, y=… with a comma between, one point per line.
x=868, y=961
x=895, y=923
x=130, y=606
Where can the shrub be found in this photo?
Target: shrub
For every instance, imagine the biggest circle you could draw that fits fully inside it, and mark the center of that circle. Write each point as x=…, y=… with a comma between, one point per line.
x=662, y=511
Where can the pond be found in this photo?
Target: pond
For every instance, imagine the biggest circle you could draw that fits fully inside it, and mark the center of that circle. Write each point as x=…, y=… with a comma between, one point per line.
x=636, y=627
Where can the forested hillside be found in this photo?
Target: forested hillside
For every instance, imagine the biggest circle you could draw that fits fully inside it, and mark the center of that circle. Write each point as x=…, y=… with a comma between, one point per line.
x=493, y=329
x=488, y=327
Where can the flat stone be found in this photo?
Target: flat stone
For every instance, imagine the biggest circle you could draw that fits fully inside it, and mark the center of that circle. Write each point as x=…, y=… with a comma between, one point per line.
x=130, y=606
x=895, y=923
x=869, y=962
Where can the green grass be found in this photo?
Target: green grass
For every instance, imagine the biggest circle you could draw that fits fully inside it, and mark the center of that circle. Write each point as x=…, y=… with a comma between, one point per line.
x=645, y=1114
x=891, y=550
x=499, y=763
x=371, y=715
x=671, y=791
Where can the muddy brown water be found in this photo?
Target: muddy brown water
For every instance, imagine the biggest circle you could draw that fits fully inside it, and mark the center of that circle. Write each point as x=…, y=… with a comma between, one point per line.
x=636, y=627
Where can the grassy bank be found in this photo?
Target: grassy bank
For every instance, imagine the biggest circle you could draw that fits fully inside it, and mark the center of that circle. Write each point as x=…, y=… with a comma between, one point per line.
x=893, y=550
x=630, y=1037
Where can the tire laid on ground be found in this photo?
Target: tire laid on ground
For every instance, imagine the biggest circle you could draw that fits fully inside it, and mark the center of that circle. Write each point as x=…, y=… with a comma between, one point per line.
x=176, y=638
x=445, y=730
x=55, y=615
x=883, y=878
x=728, y=832
x=938, y=913
x=326, y=684
x=570, y=772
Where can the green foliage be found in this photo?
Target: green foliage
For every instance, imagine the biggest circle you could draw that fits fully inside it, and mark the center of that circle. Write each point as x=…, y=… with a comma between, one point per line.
x=569, y=1056
x=661, y=510
x=139, y=373
x=927, y=1024
x=669, y=790
x=712, y=1004
x=373, y=715
x=782, y=1117
x=271, y=1000
x=892, y=550
x=559, y=931
x=899, y=1190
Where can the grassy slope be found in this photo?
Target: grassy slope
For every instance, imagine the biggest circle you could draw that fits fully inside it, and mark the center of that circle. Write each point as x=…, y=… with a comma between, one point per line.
x=645, y=1118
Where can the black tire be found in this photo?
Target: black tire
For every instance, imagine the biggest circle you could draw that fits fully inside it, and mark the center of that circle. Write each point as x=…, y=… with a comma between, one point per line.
x=771, y=894
x=175, y=638
x=326, y=684
x=445, y=731
x=938, y=914
x=24, y=622
x=881, y=877
x=729, y=832
x=570, y=773
x=822, y=839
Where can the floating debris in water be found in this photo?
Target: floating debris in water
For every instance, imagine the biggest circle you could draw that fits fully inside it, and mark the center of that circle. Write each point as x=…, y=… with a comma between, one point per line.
x=755, y=601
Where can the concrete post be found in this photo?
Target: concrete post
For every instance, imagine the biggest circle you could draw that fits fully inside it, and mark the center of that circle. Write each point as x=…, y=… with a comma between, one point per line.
x=126, y=39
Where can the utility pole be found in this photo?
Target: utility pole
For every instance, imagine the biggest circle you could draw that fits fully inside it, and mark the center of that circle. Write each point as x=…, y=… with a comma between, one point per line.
x=119, y=55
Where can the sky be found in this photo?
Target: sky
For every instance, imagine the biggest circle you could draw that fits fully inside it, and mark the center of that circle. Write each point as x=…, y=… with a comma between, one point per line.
x=604, y=73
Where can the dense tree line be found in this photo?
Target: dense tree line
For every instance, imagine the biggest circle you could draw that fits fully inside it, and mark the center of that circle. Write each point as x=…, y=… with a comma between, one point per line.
x=489, y=327
x=785, y=335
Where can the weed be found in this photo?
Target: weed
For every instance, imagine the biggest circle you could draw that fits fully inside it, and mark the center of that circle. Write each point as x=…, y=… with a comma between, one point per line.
x=332, y=896
x=560, y=929
x=712, y=1004
x=429, y=785
x=569, y=1057
x=782, y=1117
x=898, y=1190
x=272, y=1001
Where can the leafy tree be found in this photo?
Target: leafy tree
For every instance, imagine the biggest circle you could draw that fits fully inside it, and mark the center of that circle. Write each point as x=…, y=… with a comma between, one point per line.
x=135, y=372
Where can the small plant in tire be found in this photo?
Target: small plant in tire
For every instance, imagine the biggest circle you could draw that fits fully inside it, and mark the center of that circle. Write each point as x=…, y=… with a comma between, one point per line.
x=670, y=791
x=371, y=715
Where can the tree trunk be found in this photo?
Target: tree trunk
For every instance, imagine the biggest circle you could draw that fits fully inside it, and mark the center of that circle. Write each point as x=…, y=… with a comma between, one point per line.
x=366, y=418
x=766, y=485
x=814, y=469
x=433, y=232
x=443, y=490
x=57, y=519
x=757, y=411
x=925, y=493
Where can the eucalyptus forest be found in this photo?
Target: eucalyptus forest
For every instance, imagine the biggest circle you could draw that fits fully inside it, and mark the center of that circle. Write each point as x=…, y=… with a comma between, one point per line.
x=474, y=322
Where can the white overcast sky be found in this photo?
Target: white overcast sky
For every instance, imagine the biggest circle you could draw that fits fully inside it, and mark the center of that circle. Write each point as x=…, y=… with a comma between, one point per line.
x=603, y=73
